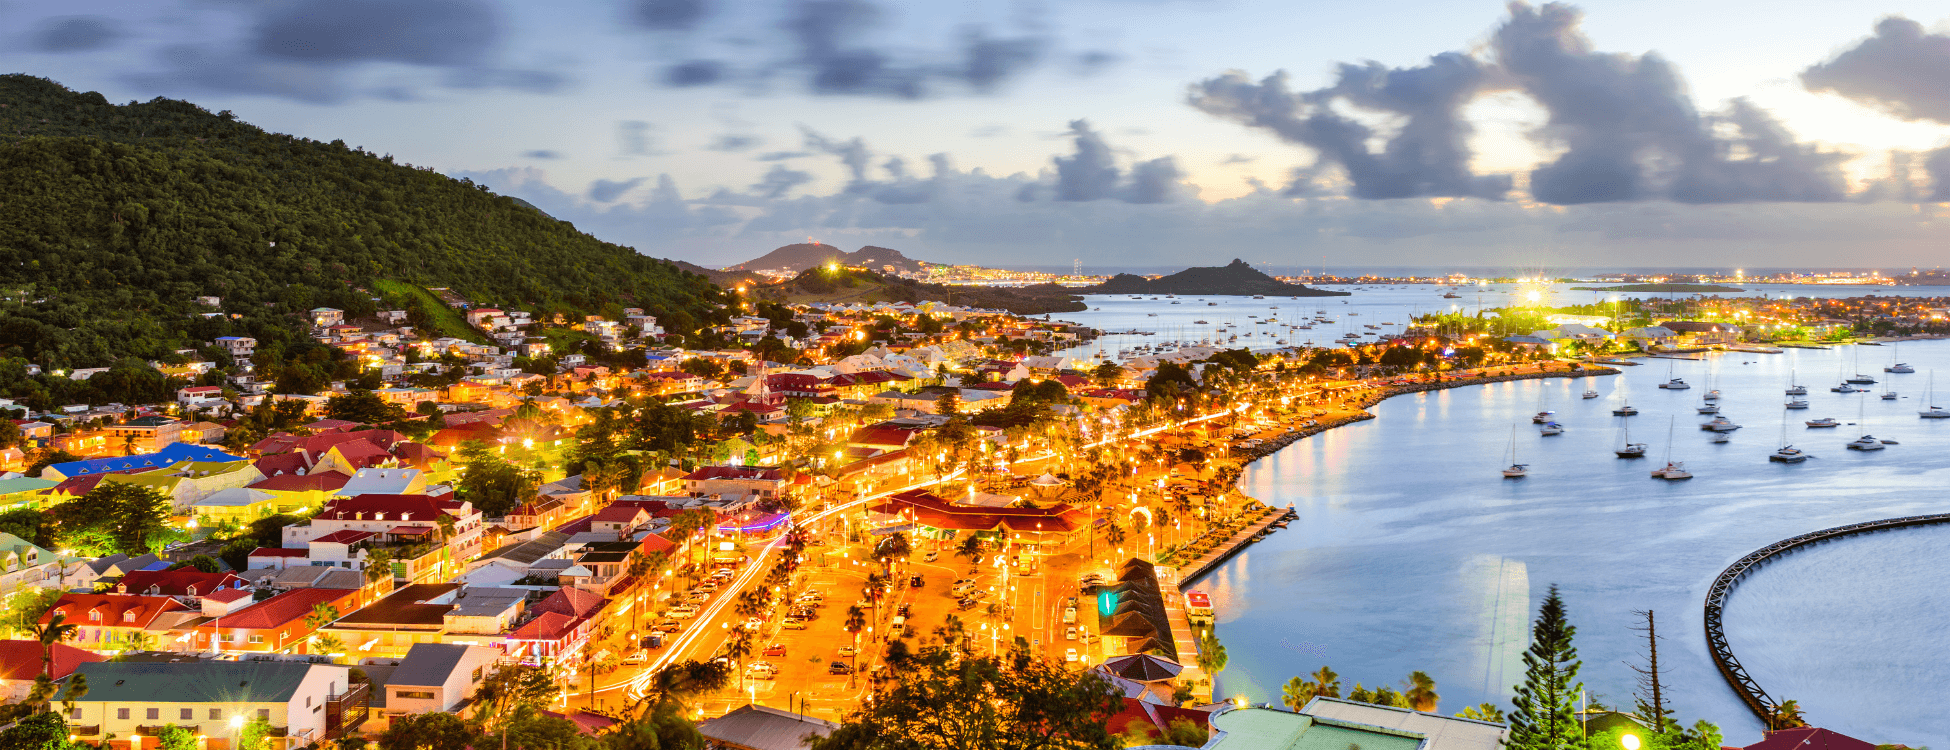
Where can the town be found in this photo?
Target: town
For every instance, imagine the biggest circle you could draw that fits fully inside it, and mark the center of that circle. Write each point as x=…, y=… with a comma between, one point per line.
x=530, y=527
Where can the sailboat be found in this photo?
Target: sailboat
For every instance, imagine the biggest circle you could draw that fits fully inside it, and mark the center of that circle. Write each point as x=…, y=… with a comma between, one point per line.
x=1516, y=470
x=1672, y=469
x=1786, y=454
x=1867, y=442
x=1626, y=410
x=1934, y=412
x=1795, y=389
x=1631, y=449
x=1672, y=383
x=1859, y=378
x=1894, y=366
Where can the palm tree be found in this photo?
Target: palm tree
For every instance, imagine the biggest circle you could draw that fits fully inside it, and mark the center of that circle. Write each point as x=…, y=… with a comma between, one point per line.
x=739, y=647
x=856, y=621
x=1296, y=693
x=1326, y=682
x=322, y=614
x=1421, y=691
x=1211, y=654
x=1788, y=716
x=137, y=641
x=55, y=630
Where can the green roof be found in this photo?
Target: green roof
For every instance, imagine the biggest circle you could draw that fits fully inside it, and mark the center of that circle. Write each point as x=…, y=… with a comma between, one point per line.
x=193, y=682
x=1275, y=729
x=24, y=484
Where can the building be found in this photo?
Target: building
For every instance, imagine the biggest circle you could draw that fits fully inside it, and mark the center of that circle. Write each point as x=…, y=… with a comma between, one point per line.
x=169, y=455
x=20, y=663
x=733, y=481
x=275, y=625
x=106, y=621
x=436, y=678
x=24, y=564
x=145, y=434
x=755, y=727
x=310, y=703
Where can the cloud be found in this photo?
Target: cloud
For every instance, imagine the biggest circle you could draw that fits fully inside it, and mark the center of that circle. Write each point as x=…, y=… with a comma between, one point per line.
x=1900, y=70
x=531, y=81
x=780, y=180
x=992, y=130
x=542, y=153
x=74, y=34
x=416, y=32
x=1630, y=131
x=1428, y=156
x=201, y=68
x=1238, y=159
x=1092, y=174
x=734, y=143
x=831, y=47
x=607, y=191
x=781, y=155
x=694, y=73
x=669, y=14
x=854, y=153
x=633, y=136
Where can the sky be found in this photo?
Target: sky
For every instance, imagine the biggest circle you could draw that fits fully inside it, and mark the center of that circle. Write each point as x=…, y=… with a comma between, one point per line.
x=1296, y=134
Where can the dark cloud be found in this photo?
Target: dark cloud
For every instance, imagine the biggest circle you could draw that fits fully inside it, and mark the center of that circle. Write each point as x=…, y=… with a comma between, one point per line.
x=1429, y=156
x=542, y=153
x=73, y=34
x=1095, y=61
x=196, y=68
x=780, y=180
x=854, y=153
x=1091, y=173
x=694, y=73
x=988, y=62
x=669, y=14
x=830, y=42
x=531, y=81
x=781, y=155
x=417, y=32
x=607, y=191
x=733, y=142
x=1901, y=70
x=1631, y=132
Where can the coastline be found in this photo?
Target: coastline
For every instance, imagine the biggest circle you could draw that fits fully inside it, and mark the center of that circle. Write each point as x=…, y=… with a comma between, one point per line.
x=1368, y=398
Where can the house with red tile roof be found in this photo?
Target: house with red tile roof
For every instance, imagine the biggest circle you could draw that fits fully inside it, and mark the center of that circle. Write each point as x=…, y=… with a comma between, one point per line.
x=1054, y=524
x=735, y=481
x=20, y=663
x=308, y=490
x=185, y=582
x=274, y=624
x=279, y=557
x=1153, y=719
x=403, y=523
x=106, y=620
x=1808, y=738
x=559, y=628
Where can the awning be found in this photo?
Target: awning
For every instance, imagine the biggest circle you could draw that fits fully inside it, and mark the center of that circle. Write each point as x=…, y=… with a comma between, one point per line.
x=410, y=531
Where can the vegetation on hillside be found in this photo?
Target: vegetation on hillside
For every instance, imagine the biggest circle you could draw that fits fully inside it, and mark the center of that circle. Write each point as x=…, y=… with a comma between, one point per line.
x=118, y=217
x=859, y=286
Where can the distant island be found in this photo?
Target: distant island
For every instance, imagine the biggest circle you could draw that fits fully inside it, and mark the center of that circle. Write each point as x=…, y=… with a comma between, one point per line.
x=803, y=256
x=1659, y=288
x=1235, y=278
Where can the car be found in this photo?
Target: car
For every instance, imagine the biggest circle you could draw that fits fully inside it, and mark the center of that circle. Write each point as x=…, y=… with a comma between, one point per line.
x=863, y=603
x=847, y=651
x=1069, y=634
x=1070, y=656
x=635, y=658
x=917, y=582
x=698, y=597
x=839, y=667
x=776, y=649
x=1069, y=614
x=904, y=611
x=753, y=623
x=965, y=603
x=960, y=582
x=669, y=626
x=793, y=624
x=931, y=556
x=683, y=613
x=764, y=670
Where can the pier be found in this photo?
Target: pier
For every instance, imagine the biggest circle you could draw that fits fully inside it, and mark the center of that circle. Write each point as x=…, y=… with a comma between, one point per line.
x=1736, y=676
x=1211, y=560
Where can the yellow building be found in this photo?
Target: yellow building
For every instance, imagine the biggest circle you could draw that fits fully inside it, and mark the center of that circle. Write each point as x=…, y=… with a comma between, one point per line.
x=304, y=703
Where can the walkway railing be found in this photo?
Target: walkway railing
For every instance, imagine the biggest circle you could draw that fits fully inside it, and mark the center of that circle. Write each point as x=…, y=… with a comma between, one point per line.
x=1736, y=676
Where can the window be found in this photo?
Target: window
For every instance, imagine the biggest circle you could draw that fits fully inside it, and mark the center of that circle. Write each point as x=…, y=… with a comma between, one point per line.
x=95, y=615
x=186, y=714
x=75, y=714
x=216, y=714
x=420, y=694
x=128, y=616
x=121, y=713
x=264, y=713
x=153, y=714
x=257, y=639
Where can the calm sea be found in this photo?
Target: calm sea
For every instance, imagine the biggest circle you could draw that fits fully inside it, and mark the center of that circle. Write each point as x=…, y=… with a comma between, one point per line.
x=1412, y=552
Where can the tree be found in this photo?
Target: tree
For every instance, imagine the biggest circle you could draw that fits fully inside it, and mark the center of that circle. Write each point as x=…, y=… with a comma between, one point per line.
x=129, y=515
x=1650, y=695
x=1420, y=691
x=426, y=732
x=237, y=552
x=1013, y=701
x=493, y=485
x=1211, y=653
x=529, y=728
x=1296, y=693
x=54, y=631
x=204, y=563
x=512, y=687
x=173, y=737
x=364, y=407
x=23, y=608
x=659, y=726
x=1787, y=716
x=1546, y=702
x=251, y=736
x=1483, y=712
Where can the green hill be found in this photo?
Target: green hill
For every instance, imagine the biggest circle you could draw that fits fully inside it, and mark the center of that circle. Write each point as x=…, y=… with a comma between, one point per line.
x=116, y=218
x=1236, y=278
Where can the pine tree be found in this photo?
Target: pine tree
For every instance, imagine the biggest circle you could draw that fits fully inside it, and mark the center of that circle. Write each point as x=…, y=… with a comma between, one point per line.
x=1651, y=692
x=1546, y=703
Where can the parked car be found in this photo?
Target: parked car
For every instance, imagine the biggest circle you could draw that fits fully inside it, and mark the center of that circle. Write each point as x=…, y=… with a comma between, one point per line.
x=1069, y=634
x=1070, y=656
x=637, y=657
x=776, y=649
x=846, y=651
x=904, y=611
x=684, y=612
x=965, y=603
x=753, y=623
x=917, y=582
x=1069, y=614
x=931, y=556
x=764, y=670
x=669, y=626
x=793, y=624
x=839, y=667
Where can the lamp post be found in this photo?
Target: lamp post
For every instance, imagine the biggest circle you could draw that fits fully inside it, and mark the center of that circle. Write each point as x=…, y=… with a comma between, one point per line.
x=237, y=731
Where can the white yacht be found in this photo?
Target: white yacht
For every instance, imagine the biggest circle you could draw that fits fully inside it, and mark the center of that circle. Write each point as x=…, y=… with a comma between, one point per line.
x=1888, y=395
x=1551, y=428
x=1788, y=454
x=1721, y=437
x=1625, y=411
x=1590, y=394
x=1823, y=422
x=1675, y=384
x=1899, y=367
x=1865, y=443
x=1516, y=470
x=1542, y=417
x=1709, y=408
x=1845, y=388
x=1795, y=403
x=1712, y=395
x=1720, y=424
x=1934, y=411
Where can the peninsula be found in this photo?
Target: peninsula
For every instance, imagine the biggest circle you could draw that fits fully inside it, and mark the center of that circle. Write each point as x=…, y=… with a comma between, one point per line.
x=1235, y=278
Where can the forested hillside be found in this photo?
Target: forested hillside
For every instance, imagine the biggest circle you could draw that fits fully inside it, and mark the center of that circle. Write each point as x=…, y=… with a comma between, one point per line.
x=116, y=218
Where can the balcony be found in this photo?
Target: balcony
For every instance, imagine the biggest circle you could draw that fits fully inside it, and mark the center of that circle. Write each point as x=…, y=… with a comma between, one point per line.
x=345, y=712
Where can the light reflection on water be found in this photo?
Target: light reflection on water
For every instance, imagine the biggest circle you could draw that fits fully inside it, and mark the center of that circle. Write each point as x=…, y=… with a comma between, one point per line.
x=1411, y=552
